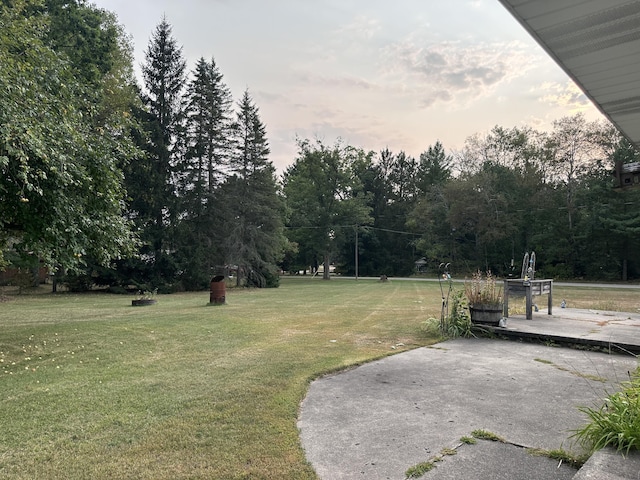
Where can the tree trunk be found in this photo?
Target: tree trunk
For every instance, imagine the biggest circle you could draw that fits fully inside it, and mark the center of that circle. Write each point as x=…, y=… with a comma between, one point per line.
x=325, y=273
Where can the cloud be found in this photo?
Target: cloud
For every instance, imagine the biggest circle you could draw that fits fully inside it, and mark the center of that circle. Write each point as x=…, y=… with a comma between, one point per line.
x=455, y=71
x=337, y=81
x=435, y=96
x=567, y=96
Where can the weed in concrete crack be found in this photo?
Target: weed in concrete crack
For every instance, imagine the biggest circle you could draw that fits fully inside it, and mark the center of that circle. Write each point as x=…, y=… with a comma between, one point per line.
x=542, y=360
x=485, y=435
x=574, y=460
x=419, y=470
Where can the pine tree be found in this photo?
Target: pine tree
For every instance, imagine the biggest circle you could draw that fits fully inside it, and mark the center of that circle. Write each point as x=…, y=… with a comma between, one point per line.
x=207, y=151
x=208, y=126
x=253, y=210
x=153, y=192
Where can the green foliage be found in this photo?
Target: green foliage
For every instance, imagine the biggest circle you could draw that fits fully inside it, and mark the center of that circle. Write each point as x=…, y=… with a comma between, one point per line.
x=207, y=149
x=252, y=220
x=61, y=186
x=458, y=322
x=434, y=168
x=69, y=108
x=324, y=198
x=617, y=422
x=569, y=458
x=79, y=281
x=207, y=135
x=468, y=440
x=150, y=178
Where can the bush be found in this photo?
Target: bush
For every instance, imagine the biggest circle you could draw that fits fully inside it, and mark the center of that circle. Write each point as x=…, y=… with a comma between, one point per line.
x=559, y=271
x=456, y=324
x=265, y=277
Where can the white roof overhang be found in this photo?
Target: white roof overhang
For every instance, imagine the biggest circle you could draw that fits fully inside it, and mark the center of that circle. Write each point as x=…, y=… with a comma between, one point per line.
x=597, y=43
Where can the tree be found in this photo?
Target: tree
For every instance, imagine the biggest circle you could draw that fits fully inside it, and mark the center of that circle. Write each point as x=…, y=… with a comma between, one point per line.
x=609, y=223
x=394, y=195
x=150, y=178
x=573, y=153
x=322, y=196
x=402, y=177
x=208, y=131
x=89, y=37
x=61, y=187
x=430, y=214
x=252, y=220
x=200, y=171
x=434, y=168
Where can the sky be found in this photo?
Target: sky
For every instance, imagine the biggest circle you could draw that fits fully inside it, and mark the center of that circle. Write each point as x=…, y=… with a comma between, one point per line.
x=377, y=74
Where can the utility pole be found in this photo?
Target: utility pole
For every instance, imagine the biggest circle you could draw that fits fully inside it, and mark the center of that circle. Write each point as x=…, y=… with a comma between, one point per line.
x=356, y=251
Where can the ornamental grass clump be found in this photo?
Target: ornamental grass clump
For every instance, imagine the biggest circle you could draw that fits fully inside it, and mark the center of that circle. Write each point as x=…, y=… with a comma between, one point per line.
x=483, y=290
x=617, y=423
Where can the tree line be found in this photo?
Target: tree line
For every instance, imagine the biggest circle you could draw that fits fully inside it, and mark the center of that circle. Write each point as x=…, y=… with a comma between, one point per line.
x=165, y=184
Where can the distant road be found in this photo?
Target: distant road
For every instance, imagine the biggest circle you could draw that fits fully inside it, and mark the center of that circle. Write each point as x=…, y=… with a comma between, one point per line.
x=458, y=280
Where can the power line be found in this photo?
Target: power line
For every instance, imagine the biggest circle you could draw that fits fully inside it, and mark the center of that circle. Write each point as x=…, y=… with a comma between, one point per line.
x=364, y=227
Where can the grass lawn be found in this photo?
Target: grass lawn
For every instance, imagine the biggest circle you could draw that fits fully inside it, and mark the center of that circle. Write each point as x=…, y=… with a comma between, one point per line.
x=94, y=388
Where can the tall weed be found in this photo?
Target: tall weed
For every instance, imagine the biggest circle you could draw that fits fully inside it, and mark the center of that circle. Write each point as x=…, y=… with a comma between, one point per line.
x=617, y=422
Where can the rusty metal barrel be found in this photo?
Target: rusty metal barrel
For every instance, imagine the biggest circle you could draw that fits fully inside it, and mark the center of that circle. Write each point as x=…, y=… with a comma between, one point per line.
x=218, y=290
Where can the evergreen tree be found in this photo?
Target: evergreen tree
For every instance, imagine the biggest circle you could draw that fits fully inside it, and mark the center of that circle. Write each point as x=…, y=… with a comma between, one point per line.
x=253, y=225
x=199, y=173
x=150, y=179
x=429, y=217
x=434, y=168
x=397, y=193
x=207, y=132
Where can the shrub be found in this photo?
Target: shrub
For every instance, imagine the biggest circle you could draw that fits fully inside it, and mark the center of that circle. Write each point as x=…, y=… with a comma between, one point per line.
x=457, y=323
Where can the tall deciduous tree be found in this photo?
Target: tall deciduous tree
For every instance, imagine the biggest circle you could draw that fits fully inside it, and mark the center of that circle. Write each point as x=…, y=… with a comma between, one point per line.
x=322, y=195
x=61, y=186
x=575, y=151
